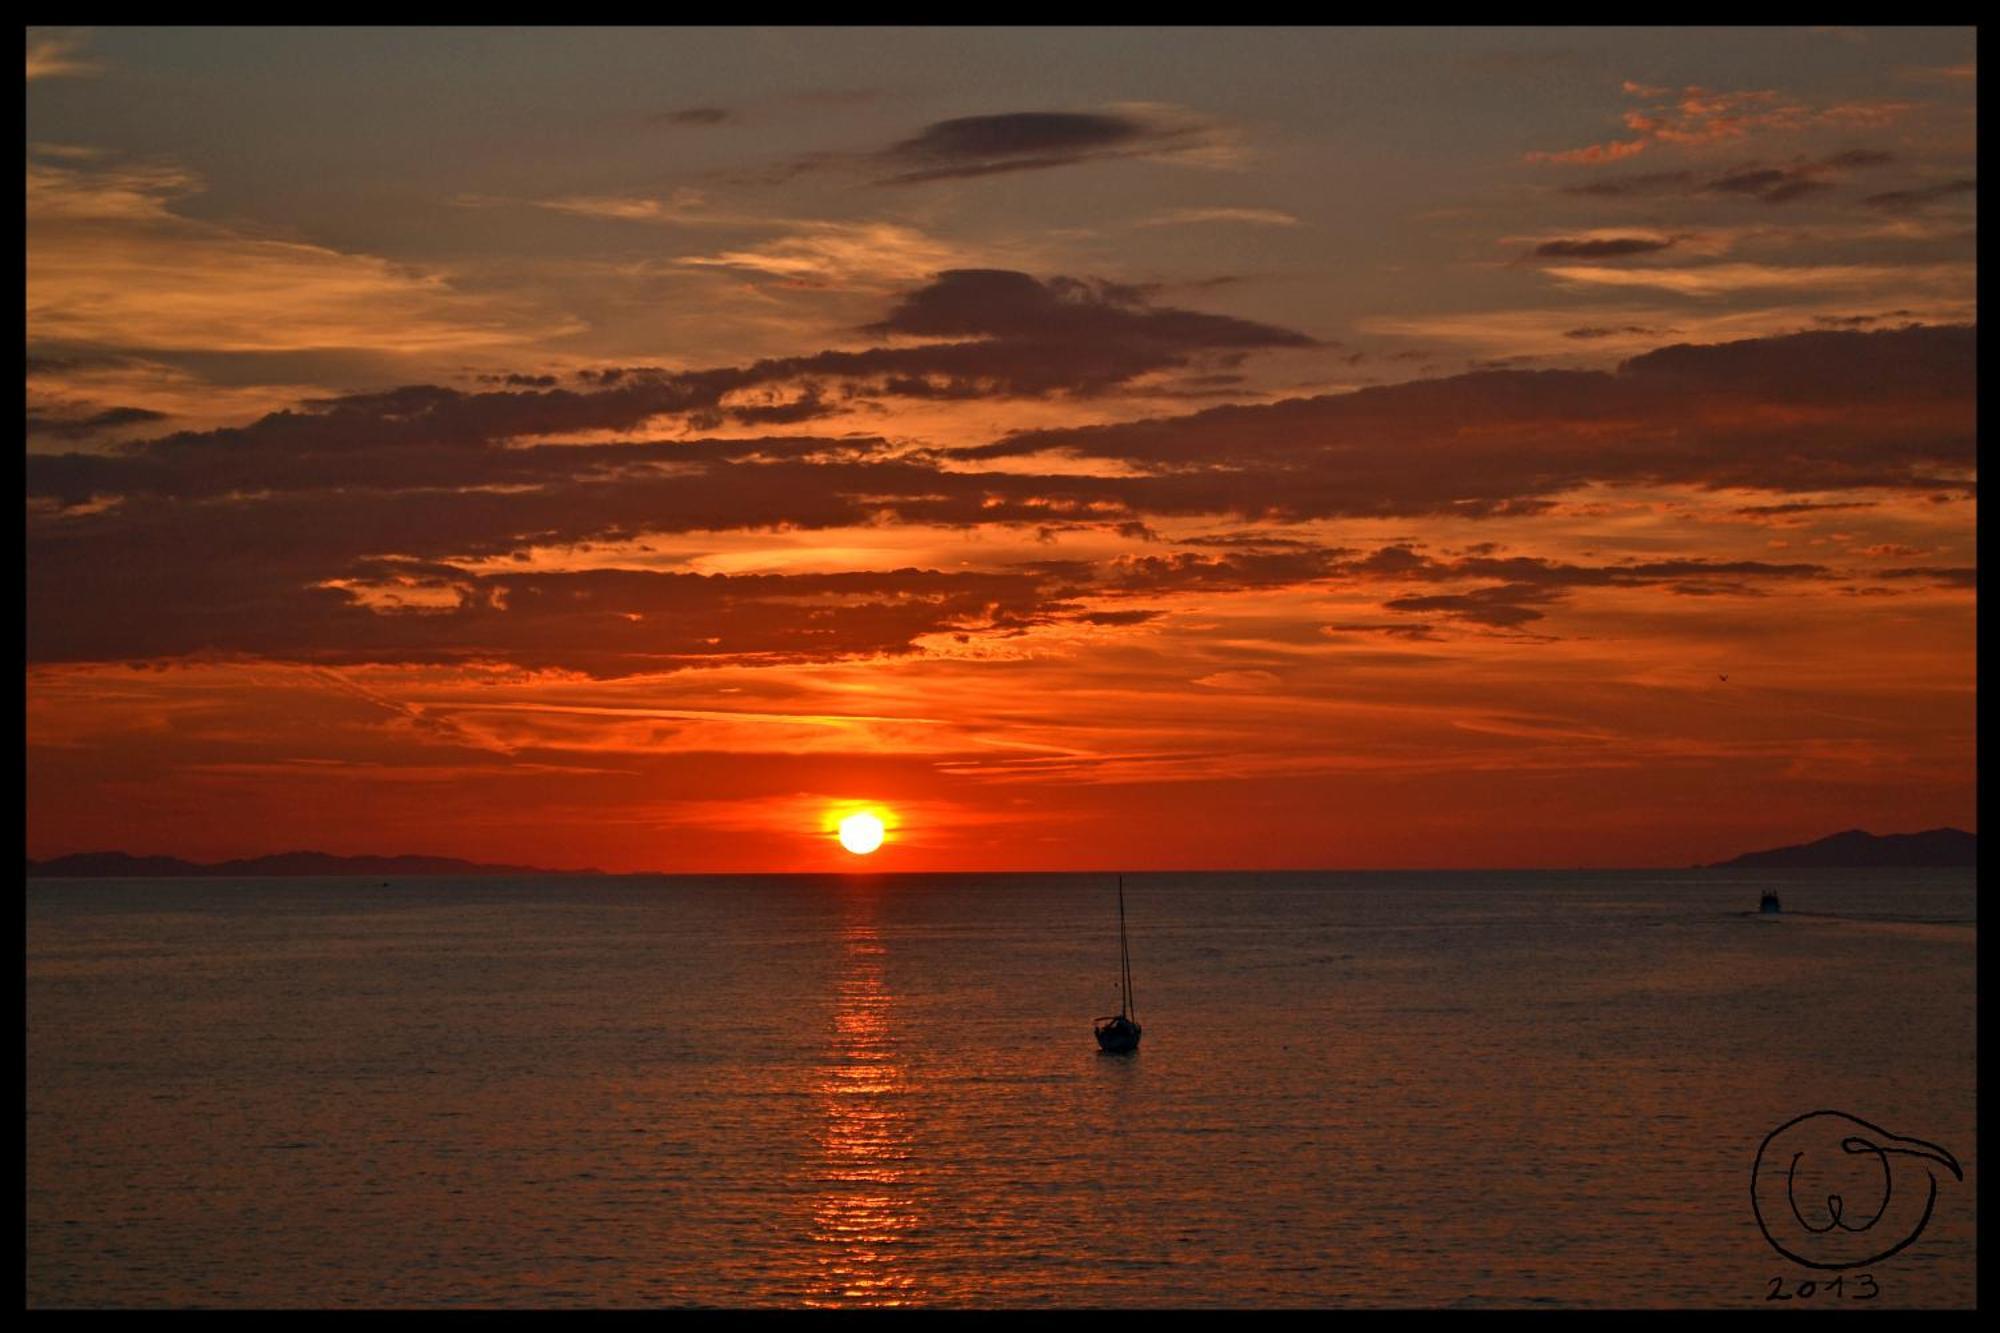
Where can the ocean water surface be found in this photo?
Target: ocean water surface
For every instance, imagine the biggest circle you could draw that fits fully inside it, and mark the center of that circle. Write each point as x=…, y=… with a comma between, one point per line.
x=1354, y=1089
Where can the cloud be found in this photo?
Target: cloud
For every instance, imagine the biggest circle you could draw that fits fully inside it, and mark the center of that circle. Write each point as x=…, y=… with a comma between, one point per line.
x=109, y=263
x=1863, y=321
x=1907, y=201
x=399, y=526
x=1964, y=576
x=76, y=427
x=811, y=251
x=1967, y=72
x=972, y=146
x=685, y=206
x=1502, y=607
x=1185, y=217
x=1785, y=413
x=1590, y=332
x=988, y=333
x=1602, y=247
x=841, y=254
x=55, y=54
x=1590, y=154
x=997, y=303
x=1773, y=185
x=1713, y=280
x=1529, y=584
x=1694, y=116
x=1767, y=183
x=699, y=116
x=1240, y=680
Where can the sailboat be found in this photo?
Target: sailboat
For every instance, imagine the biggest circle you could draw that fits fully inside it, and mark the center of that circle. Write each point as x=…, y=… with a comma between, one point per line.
x=1118, y=1033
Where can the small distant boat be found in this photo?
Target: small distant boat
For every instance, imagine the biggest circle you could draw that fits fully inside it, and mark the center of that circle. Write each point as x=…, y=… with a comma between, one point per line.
x=1118, y=1034
x=1768, y=904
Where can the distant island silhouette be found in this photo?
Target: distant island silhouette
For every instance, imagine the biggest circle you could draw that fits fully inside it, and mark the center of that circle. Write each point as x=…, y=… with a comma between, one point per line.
x=1932, y=849
x=123, y=865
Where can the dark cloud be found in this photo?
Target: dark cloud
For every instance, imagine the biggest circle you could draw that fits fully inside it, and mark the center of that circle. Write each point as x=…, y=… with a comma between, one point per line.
x=1607, y=247
x=1799, y=507
x=1001, y=305
x=604, y=622
x=1908, y=201
x=1119, y=617
x=1819, y=410
x=1769, y=184
x=1011, y=335
x=1857, y=158
x=349, y=578
x=1611, y=331
x=1027, y=141
x=39, y=365
x=1963, y=576
x=1502, y=607
x=76, y=427
x=696, y=116
x=1421, y=632
x=366, y=527
x=1526, y=584
x=1773, y=185
x=1652, y=182
x=1487, y=443
x=1861, y=321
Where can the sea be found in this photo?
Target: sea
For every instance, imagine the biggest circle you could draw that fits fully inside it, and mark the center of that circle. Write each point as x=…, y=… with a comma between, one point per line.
x=1509, y=1089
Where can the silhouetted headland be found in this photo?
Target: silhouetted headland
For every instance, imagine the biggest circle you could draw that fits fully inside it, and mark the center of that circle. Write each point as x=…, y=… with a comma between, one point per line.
x=1930, y=850
x=123, y=865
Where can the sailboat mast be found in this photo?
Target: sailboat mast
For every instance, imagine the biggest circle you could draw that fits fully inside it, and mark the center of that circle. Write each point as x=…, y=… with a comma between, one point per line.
x=1124, y=955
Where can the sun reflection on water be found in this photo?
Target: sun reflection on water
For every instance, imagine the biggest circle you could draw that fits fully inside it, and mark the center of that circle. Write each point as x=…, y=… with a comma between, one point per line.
x=865, y=1217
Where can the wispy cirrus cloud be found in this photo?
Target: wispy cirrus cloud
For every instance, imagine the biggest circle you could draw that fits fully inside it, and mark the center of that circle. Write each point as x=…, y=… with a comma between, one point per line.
x=57, y=53
x=818, y=252
x=1714, y=280
x=111, y=264
x=1190, y=217
x=1965, y=72
x=845, y=254
x=684, y=207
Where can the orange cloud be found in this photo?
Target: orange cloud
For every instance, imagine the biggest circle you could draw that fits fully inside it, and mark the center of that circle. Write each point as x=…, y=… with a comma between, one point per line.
x=1694, y=116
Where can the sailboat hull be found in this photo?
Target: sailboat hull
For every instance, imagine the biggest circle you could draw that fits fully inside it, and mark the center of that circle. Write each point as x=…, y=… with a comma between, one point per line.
x=1120, y=1036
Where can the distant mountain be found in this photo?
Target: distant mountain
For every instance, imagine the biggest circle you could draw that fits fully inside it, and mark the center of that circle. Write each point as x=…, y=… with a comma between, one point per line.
x=1930, y=849
x=122, y=865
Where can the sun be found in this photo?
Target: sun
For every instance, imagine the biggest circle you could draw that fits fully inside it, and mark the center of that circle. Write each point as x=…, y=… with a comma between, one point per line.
x=861, y=833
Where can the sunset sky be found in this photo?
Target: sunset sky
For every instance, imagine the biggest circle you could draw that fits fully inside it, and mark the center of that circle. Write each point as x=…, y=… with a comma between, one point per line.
x=1091, y=449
